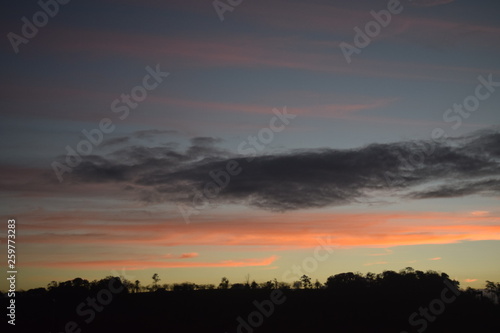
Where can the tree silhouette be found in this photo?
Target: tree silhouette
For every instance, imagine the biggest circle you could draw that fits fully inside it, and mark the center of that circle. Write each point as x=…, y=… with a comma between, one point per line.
x=306, y=281
x=156, y=279
x=254, y=285
x=350, y=302
x=268, y=285
x=52, y=285
x=283, y=285
x=137, y=286
x=80, y=283
x=493, y=287
x=185, y=286
x=238, y=286
x=224, y=283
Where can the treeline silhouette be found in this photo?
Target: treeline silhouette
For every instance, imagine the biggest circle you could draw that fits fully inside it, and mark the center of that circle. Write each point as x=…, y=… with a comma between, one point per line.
x=405, y=301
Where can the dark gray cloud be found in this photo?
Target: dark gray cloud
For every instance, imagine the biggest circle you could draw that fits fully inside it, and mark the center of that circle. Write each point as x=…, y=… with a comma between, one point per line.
x=151, y=133
x=115, y=141
x=483, y=187
x=305, y=178
x=147, y=135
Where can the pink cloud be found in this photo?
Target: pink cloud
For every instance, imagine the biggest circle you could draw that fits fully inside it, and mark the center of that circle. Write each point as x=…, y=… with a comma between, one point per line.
x=275, y=232
x=189, y=255
x=286, y=230
x=182, y=256
x=340, y=110
x=254, y=52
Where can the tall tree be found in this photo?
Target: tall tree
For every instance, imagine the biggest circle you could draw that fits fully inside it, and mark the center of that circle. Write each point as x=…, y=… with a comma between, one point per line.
x=156, y=279
x=306, y=281
x=224, y=283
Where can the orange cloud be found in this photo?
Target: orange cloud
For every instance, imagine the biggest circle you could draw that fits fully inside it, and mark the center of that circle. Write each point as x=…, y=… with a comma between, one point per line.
x=437, y=258
x=470, y=280
x=182, y=256
x=290, y=230
x=189, y=255
x=258, y=232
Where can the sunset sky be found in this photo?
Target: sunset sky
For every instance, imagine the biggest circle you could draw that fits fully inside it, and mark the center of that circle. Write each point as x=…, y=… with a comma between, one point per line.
x=239, y=146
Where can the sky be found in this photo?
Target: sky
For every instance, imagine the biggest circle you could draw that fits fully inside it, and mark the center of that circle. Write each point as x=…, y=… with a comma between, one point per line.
x=261, y=139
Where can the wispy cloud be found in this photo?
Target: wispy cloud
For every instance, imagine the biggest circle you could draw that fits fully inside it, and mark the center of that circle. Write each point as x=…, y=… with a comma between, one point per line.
x=376, y=263
x=189, y=255
x=306, y=178
x=141, y=264
x=480, y=213
x=387, y=252
x=430, y=3
x=289, y=230
x=182, y=256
